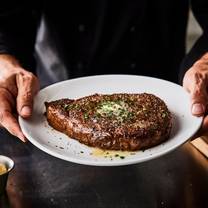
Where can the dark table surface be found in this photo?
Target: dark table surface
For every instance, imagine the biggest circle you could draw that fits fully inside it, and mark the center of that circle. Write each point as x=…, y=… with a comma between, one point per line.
x=178, y=179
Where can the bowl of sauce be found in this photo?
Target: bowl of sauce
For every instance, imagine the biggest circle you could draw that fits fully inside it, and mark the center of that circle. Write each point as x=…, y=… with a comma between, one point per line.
x=6, y=165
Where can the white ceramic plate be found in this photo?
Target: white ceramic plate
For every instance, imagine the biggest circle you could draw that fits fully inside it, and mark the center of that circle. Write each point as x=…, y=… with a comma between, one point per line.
x=59, y=145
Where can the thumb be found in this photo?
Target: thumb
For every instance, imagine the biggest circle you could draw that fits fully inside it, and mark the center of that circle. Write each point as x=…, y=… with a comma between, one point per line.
x=199, y=99
x=25, y=85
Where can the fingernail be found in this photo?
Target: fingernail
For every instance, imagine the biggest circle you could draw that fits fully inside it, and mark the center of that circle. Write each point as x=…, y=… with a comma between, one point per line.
x=22, y=137
x=198, y=109
x=26, y=110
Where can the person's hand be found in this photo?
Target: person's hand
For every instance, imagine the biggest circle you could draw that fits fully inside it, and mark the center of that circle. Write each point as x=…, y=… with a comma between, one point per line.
x=196, y=83
x=17, y=89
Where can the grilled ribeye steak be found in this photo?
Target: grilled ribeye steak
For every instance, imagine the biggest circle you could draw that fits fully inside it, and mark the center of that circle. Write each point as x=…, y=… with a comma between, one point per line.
x=114, y=122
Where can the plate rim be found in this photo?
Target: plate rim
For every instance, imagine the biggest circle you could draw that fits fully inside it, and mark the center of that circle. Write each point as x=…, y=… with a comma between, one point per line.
x=110, y=75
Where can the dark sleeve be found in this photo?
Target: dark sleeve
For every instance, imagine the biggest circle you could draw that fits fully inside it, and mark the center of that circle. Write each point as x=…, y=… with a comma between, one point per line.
x=18, y=24
x=200, y=11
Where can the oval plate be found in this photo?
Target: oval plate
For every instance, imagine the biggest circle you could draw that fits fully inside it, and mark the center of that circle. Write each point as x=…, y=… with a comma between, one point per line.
x=40, y=134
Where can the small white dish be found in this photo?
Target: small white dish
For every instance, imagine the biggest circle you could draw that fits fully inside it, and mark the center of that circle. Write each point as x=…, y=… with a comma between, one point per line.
x=9, y=164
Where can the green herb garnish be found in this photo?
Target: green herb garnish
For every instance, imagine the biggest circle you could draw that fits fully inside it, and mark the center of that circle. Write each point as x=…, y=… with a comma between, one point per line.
x=86, y=115
x=65, y=106
x=164, y=115
x=68, y=107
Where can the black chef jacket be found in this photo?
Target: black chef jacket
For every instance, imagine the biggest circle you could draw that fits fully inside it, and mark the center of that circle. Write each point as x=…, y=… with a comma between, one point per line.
x=79, y=38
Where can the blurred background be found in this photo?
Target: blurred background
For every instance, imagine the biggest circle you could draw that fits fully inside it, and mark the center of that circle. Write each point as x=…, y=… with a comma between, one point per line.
x=193, y=32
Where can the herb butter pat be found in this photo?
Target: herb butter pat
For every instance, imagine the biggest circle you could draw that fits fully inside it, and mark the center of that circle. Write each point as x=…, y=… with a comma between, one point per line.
x=118, y=109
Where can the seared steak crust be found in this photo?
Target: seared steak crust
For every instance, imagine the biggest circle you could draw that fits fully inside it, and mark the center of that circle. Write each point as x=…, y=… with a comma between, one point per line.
x=114, y=122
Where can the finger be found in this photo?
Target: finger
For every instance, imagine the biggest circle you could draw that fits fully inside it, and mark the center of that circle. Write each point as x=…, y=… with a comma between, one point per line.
x=199, y=95
x=7, y=120
x=10, y=123
x=27, y=87
x=205, y=57
x=203, y=129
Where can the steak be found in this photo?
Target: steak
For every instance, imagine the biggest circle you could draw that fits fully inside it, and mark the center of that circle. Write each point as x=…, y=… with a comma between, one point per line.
x=112, y=122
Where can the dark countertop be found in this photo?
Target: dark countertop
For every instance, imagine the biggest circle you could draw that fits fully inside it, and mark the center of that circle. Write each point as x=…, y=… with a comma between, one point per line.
x=178, y=180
